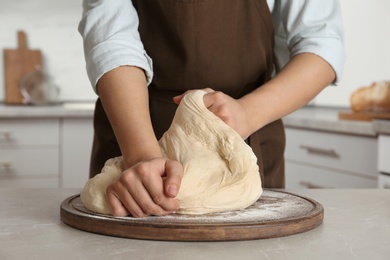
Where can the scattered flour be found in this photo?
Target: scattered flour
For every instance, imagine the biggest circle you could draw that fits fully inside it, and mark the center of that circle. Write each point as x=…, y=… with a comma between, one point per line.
x=272, y=205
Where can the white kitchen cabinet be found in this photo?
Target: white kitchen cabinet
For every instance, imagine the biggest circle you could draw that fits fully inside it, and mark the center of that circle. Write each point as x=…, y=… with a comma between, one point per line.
x=384, y=153
x=45, y=152
x=29, y=152
x=384, y=161
x=316, y=159
x=384, y=181
x=51, y=146
x=76, y=140
x=307, y=176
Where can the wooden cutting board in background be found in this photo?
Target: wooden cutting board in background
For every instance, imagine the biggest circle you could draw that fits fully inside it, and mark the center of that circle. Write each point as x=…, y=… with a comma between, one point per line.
x=17, y=63
x=363, y=116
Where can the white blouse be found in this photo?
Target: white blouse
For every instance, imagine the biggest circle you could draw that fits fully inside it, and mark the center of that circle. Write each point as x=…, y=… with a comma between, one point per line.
x=111, y=38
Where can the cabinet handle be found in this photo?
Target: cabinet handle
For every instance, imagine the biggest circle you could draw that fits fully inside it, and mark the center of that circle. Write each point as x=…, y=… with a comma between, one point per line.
x=7, y=165
x=311, y=185
x=320, y=151
x=6, y=134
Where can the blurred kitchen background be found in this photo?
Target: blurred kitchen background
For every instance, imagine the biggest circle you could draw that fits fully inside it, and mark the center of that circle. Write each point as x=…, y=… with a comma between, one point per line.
x=51, y=26
x=61, y=157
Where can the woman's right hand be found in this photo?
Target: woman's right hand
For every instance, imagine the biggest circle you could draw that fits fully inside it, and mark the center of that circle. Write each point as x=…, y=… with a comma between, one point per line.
x=147, y=188
x=150, y=183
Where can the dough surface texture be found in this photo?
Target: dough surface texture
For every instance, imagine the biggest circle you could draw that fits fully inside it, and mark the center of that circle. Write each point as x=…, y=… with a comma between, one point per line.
x=220, y=169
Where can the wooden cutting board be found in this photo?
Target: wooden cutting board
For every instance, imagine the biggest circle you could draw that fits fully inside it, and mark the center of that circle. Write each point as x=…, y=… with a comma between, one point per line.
x=17, y=63
x=363, y=116
x=275, y=214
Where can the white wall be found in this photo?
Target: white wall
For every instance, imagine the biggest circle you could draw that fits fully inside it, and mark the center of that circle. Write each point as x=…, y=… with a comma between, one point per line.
x=367, y=32
x=51, y=26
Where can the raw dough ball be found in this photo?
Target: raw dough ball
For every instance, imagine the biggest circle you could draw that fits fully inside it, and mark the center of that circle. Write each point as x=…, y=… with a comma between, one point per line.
x=220, y=169
x=93, y=195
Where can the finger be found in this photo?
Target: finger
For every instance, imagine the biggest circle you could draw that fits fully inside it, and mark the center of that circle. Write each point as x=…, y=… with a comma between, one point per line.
x=208, y=90
x=154, y=185
x=177, y=99
x=114, y=203
x=126, y=200
x=136, y=197
x=211, y=98
x=144, y=200
x=155, y=202
x=174, y=174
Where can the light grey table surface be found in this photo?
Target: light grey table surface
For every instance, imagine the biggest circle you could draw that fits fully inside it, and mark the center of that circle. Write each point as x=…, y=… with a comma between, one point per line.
x=356, y=226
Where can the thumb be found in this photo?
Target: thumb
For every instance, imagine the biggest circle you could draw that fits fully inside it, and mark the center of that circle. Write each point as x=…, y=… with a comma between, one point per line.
x=174, y=175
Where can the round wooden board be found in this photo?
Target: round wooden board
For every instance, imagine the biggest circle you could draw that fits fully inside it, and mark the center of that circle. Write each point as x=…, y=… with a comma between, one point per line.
x=275, y=214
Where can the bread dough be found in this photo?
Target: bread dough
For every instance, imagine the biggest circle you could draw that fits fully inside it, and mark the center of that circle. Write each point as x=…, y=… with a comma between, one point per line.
x=220, y=169
x=93, y=195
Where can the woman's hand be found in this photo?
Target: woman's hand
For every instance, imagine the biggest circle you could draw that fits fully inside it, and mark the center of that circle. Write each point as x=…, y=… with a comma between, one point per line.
x=303, y=77
x=230, y=110
x=147, y=188
x=150, y=183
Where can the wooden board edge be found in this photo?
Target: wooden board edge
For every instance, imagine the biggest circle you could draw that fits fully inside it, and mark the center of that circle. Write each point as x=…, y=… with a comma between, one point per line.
x=363, y=116
x=205, y=233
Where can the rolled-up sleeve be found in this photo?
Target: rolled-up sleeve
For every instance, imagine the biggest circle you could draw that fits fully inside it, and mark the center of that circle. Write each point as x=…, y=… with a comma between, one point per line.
x=111, y=39
x=313, y=26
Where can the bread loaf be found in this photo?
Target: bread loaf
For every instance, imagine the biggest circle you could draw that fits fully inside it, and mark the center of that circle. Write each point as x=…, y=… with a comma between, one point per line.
x=375, y=97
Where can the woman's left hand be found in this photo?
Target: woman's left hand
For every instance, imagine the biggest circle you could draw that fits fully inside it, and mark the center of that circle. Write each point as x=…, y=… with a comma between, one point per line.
x=230, y=110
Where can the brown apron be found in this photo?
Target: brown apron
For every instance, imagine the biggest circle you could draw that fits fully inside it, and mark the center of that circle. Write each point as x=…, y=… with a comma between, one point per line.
x=226, y=45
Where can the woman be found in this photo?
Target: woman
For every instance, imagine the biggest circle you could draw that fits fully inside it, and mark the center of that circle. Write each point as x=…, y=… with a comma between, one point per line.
x=258, y=60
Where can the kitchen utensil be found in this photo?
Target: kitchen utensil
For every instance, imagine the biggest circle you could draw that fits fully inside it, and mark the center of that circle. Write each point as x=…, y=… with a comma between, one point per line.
x=38, y=88
x=17, y=63
x=275, y=214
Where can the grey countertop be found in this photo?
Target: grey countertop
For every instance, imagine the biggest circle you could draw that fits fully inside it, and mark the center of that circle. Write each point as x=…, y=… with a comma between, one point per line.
x=308, y=117
x=67, y=109
x=356, y=226
x=326, y=119
x=382, y=126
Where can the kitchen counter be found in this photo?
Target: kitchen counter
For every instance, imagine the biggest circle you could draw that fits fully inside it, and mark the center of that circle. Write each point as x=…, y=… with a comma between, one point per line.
x=326, y=119
x=382, y=126
x=308, y=117
x=356, y=226
x=69, y=109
